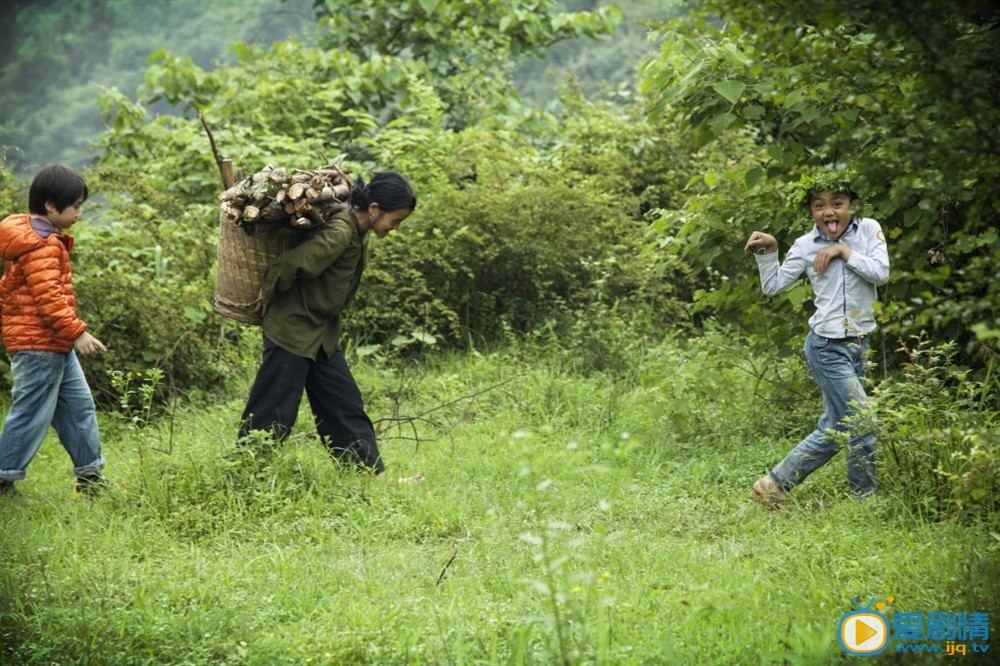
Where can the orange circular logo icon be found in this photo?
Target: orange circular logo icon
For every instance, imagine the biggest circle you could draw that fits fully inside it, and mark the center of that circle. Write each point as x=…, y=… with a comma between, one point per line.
x=863, y=632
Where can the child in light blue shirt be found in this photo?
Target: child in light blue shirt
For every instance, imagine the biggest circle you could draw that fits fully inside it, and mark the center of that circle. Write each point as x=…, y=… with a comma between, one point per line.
x=845, y=259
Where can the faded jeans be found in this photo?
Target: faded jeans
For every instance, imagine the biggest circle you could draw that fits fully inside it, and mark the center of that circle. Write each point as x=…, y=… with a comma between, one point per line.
x=49, y=389
x=838, y=367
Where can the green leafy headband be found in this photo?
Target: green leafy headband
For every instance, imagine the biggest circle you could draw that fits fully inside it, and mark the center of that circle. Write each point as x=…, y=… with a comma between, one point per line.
x=823, y=180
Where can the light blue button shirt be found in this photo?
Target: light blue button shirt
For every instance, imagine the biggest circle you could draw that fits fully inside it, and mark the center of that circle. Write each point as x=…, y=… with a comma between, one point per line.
x=845, y=291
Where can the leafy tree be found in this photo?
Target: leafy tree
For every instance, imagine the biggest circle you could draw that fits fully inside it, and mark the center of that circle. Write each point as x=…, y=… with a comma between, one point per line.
x=321, y=105
x=50, y=75
x=905, y=93
x=469, y=47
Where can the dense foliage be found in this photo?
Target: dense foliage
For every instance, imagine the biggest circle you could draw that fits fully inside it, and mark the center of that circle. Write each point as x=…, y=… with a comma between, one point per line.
x=604, y=68
x=469, y=49
x=905, y=94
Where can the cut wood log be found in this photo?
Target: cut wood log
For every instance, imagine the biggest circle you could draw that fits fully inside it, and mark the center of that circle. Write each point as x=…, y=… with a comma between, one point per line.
x=230, y=213
x=342, y=191
x=231, y=193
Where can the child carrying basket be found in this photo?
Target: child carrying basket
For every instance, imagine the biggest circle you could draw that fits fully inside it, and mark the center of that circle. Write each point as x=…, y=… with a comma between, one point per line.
x=291, y=254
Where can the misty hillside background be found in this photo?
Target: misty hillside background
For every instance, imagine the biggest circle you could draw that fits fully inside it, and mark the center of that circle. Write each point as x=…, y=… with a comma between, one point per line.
x=56, y=56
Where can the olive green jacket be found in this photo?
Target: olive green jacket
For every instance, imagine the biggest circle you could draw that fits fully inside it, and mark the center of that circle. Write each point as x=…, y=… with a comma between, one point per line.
x=309, y=284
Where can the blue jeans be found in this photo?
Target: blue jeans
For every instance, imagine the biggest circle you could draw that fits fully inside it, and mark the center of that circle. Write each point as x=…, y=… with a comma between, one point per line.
x=838, y=367
x=49, y=389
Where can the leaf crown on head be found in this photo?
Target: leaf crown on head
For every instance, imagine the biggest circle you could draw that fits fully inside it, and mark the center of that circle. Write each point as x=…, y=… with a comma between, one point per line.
x=826, y=179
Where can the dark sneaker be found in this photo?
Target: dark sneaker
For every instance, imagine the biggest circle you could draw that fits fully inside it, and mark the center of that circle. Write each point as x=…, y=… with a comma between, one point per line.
x=90, y=486
x=6, y=487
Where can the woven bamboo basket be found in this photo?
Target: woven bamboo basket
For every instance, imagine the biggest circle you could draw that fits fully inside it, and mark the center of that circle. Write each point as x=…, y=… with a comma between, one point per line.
x=243, y=260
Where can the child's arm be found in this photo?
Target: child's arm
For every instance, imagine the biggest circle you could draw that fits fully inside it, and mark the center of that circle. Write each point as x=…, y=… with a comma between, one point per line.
x=760, y=243
x=870, y=260
x=775, y=277
x=828, y=254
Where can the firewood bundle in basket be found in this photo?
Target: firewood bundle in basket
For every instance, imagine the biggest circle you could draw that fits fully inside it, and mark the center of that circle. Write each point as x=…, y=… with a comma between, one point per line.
x=274, y=197
x=275, y=208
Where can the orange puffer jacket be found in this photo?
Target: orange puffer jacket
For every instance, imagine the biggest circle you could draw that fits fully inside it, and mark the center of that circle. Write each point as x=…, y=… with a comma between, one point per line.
x=36, y=290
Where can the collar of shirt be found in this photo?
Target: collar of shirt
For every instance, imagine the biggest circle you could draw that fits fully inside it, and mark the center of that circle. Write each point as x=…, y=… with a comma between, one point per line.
x=44, y=229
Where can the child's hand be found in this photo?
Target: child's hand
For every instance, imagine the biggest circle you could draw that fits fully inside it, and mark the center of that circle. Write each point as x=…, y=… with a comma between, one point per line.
x=828, y=254
x=760, y=241
x=88, y=344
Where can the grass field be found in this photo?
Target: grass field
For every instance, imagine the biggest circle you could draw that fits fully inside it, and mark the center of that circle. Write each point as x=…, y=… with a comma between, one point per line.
x=573, y=512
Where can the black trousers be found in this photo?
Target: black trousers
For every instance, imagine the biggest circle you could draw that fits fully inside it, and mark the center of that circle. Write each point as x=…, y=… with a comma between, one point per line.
x=333, y=395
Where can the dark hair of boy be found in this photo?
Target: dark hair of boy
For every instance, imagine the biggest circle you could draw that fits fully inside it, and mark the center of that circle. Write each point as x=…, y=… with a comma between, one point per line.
x=58, y=185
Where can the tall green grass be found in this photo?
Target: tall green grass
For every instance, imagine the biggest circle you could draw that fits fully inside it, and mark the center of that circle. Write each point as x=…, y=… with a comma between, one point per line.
x=582, y=507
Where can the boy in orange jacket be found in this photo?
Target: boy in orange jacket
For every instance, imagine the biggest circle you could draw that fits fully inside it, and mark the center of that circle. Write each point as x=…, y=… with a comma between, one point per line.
x=42, y=334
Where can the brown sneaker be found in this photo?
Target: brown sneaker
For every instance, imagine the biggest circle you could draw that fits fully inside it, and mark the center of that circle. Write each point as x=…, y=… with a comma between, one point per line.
x=7, y=487
x=768, y=493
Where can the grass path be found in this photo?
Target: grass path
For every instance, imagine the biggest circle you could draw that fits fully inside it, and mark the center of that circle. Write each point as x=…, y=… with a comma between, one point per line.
x=566, y=518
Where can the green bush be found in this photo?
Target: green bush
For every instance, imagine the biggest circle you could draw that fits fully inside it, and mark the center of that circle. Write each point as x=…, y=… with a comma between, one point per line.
x=508, y=238
x=144, y=274
x=938, y=429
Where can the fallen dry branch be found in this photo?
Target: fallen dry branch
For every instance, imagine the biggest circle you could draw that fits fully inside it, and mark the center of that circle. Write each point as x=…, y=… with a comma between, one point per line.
x=384, y=424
